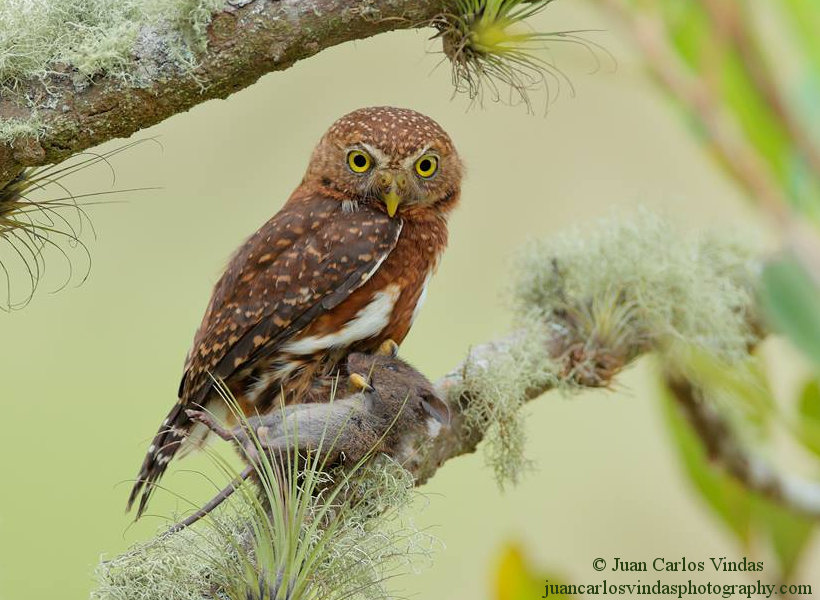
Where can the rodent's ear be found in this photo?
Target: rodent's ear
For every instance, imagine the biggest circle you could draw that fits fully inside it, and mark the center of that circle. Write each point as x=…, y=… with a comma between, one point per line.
x=357, y=362
x=436, y=408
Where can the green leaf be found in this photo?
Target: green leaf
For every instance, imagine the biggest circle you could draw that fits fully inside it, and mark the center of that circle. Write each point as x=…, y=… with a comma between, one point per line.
x=792, y=303
x=741, y=510
x=804, y=17
x=727, y=498
x=790, y=534
x=808, y=416
x=809, y=403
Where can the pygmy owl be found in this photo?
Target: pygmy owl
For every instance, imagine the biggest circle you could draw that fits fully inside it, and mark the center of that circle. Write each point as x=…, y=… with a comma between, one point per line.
x=341, y=268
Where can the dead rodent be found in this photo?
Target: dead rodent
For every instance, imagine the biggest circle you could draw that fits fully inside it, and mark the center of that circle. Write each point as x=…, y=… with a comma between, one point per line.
x=389, y=403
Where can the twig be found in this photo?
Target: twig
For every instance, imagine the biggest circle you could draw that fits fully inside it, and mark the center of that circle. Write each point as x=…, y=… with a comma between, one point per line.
x=748, y=168
x=723, y=133
x=733, y=21
x=724, y=448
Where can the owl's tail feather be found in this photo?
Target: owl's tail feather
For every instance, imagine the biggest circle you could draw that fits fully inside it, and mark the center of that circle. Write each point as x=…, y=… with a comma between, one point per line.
x=165, y=445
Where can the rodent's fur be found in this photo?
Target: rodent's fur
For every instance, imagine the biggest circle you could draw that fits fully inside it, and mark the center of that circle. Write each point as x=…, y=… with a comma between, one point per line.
x=392, y=399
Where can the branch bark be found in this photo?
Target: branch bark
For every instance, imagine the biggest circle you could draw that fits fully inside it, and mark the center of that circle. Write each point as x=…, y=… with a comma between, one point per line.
x=721, y=443
x=244, y=41
x=723, y=447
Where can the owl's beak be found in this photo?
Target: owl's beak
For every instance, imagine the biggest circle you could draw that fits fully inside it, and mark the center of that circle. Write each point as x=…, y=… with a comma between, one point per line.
x=391, y=200
x=392, y=185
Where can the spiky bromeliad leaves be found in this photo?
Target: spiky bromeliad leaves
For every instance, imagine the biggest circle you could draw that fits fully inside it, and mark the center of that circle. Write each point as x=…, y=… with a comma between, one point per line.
x=494, y=52
x=305, y=531
x=41, y=219
x=323, y=539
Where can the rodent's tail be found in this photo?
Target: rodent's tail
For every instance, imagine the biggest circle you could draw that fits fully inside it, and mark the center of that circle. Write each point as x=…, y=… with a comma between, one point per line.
x=223, y=495
x=166, y=444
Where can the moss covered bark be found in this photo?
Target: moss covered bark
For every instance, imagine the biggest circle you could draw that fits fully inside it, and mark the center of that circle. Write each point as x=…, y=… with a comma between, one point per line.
x=60, y=111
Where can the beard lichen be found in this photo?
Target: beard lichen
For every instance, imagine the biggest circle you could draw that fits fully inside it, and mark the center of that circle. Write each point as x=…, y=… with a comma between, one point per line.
x=85, y=38
x=638, y=284
x=491, y=393
x=30, y=127
x=588, y=302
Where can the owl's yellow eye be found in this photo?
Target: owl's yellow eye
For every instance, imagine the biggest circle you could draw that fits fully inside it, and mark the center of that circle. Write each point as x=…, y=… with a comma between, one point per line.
x=427, y=166
x=358, y=161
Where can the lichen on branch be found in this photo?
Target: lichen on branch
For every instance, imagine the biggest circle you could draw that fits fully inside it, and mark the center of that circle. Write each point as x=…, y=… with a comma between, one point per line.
x=76, y=73
x=95, y=70
x=587, y=303
x=96, y=37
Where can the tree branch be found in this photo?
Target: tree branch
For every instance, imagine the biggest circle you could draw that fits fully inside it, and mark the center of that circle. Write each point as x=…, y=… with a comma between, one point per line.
x=733, y=22
x=719, y=440
x=244, y=41
x=724, y=448
x=586, y=311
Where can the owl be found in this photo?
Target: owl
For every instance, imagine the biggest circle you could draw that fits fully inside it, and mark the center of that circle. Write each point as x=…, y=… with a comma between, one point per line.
x=342, y=267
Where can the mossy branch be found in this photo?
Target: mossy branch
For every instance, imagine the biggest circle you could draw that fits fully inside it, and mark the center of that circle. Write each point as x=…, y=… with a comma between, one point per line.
x=242, y=41
x=722, y=444
x=76, y=73
x=724, y=449
x=589, y=306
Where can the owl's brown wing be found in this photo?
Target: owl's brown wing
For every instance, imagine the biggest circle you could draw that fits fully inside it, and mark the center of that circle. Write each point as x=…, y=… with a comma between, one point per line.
x=302, y=263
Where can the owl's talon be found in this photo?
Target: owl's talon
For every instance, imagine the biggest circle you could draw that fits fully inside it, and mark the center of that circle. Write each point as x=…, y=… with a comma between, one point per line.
x=359, y=383
x=388, y=348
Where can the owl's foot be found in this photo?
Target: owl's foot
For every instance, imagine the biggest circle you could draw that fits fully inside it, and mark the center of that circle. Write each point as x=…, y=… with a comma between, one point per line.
x=358, y=383
x=388, y=348
x=208, y=420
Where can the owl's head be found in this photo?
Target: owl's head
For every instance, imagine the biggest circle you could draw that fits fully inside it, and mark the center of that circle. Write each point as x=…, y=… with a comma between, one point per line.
x=394, y=159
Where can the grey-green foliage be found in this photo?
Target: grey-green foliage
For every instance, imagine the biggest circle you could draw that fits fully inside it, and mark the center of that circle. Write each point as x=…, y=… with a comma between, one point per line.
x=325, y=544
x=375, y=540
x=662, y=285
x=179, y=567
x=590, y=301
x=96, y=36
x=11, y=129
x=497, y=387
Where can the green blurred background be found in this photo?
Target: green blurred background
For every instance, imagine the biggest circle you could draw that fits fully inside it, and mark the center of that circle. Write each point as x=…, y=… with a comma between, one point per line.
x=89, y=373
